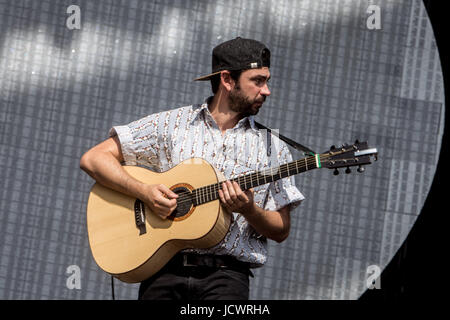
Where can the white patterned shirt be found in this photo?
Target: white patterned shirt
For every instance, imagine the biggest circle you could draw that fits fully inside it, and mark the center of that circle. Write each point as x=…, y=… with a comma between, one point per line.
x=162, y=140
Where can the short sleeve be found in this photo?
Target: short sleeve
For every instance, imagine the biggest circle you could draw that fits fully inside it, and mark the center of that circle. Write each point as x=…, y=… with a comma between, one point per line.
x=138, y=141
x=284, y=191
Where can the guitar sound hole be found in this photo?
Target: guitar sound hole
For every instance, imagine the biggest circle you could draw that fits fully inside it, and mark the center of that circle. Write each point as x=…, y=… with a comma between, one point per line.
x=184, y=202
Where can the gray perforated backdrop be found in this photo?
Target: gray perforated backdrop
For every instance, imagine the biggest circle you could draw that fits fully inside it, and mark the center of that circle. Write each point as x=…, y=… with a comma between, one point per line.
x=335, y=78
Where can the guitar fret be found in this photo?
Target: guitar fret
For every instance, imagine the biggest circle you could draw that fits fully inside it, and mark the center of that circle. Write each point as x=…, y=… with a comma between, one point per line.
x=286, y=172
x=217, y=189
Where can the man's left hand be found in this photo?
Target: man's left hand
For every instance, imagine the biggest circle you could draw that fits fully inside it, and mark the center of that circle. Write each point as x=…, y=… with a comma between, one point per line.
x=234, y=199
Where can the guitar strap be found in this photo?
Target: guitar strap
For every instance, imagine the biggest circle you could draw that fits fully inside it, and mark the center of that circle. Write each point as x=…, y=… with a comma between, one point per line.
x=292, y=143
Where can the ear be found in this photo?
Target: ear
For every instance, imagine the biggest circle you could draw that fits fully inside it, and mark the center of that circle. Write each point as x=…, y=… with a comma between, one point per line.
x=227, y=82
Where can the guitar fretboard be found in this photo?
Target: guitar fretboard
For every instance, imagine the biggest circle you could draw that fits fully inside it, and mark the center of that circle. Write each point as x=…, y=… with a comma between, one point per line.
x=211, y=192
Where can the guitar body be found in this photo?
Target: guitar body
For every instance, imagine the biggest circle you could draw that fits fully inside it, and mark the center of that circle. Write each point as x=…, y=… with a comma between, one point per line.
x=121, y=249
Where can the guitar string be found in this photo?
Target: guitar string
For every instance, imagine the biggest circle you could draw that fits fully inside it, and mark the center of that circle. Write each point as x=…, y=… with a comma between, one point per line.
x=210, y=194
x=186, y=196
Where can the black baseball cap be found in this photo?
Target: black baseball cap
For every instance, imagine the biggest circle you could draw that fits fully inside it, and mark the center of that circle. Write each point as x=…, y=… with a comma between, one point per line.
x=238, y=54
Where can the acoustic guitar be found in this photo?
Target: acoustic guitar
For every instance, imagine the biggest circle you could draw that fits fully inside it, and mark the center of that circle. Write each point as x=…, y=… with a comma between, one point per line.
x=131, y=243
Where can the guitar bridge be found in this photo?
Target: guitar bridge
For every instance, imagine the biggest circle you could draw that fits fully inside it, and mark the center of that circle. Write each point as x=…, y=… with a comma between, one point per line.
x=139, y=216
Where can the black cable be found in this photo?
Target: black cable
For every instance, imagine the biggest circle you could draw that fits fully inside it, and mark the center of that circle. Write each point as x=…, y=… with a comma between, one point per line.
x=112, y=288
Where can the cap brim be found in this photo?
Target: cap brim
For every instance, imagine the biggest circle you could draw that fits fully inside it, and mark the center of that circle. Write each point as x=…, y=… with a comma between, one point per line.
x=207, y=77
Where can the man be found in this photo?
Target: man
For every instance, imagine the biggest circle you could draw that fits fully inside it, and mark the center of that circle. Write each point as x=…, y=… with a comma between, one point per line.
x=221, y=131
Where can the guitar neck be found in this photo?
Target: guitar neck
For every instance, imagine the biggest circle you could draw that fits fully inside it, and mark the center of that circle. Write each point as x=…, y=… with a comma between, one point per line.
x=210, y=192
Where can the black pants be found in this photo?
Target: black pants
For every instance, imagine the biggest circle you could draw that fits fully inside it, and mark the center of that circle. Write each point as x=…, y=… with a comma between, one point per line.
x=196, y=283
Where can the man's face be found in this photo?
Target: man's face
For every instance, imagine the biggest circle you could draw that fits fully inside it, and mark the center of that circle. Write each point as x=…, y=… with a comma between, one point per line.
x=250, y=92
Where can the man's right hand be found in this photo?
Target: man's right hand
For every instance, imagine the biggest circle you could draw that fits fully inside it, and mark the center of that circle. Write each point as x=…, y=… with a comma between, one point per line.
x=103, y=163
x=160, y=199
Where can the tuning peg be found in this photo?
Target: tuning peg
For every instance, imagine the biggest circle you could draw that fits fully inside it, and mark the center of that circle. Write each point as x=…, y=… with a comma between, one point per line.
x=336, y=172
x=347, y=171
x=360, y=169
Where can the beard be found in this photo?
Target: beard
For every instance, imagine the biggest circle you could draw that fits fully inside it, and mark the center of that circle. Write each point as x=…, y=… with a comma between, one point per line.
x=242, y=104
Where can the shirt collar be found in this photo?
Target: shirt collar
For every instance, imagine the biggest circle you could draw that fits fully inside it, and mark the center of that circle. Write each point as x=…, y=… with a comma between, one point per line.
x=204, y=109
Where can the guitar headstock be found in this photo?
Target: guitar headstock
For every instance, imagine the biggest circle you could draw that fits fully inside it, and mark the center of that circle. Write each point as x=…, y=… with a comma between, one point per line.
x=346, y=156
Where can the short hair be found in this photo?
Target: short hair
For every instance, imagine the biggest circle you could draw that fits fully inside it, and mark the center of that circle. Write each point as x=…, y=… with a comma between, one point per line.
x=215, y=80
